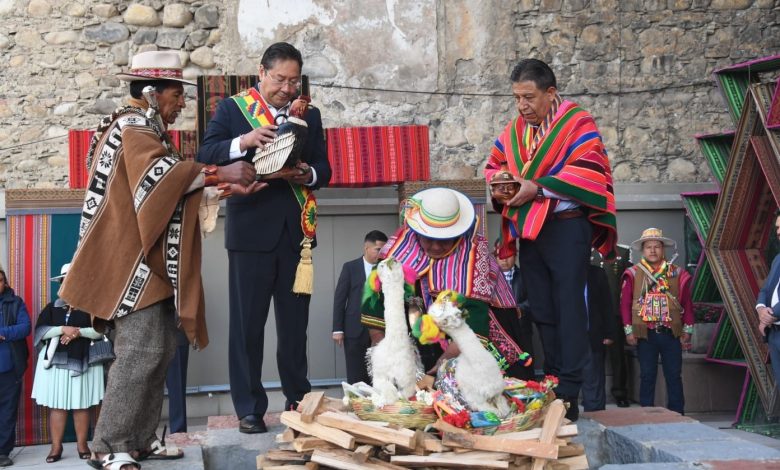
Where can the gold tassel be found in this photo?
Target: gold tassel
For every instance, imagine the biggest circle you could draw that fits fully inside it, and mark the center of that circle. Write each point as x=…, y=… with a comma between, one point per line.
x=304, y=275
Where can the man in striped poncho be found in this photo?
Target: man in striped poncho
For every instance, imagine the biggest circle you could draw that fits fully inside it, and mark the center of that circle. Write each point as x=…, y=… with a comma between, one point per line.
x=564, y=206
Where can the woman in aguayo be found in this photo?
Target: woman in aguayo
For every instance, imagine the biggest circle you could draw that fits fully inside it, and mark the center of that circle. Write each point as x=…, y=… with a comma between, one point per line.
x=64, y=378
x=440, y=243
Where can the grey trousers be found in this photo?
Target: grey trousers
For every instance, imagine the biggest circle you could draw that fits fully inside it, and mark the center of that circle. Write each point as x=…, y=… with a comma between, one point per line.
x=144, y=346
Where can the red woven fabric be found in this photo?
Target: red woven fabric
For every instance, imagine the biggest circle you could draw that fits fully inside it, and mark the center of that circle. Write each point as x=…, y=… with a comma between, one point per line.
x=78, y=145
x=378, y=156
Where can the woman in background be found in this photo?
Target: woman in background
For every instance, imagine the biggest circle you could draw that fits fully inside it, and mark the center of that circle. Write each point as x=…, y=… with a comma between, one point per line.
x=64, y=379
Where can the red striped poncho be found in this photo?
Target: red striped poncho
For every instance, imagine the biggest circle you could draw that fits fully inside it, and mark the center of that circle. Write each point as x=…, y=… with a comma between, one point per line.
x=568, y=159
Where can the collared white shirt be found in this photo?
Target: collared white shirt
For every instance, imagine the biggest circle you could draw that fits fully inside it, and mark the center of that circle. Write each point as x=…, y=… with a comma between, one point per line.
x=235, y=145
x=367, y=267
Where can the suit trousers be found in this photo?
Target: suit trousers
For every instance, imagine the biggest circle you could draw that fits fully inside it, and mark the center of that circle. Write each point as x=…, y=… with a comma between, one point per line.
x=355, y=356
x=254, y=279
x=176, y=382
x=554, y=269
x=774, y=350
x=144, y=345
x=594, y=396
x=10, y=389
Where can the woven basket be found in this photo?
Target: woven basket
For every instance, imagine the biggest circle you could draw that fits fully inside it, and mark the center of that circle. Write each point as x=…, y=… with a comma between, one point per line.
x=518, y=422
x=409, y=414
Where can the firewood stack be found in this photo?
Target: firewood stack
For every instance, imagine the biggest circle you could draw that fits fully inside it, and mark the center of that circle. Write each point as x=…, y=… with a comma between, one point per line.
x=323, y=434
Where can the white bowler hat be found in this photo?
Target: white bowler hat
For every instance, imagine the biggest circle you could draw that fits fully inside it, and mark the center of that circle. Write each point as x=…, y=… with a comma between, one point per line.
x=155, y=65
x=63, y=272
x=439, y=213
x=653, y=234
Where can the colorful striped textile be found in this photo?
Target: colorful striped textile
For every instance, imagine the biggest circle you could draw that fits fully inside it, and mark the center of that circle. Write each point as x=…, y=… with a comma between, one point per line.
x=773, y=115
x=378, y=156
x=214, y=88
x=741, y=229
x=42, y=235
x=78, y=145
x=735, y=80
x=716, y=149
x=569, y=160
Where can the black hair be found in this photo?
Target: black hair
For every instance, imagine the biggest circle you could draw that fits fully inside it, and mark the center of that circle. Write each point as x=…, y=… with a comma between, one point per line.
x=5, y=278
x=137, y=87
x=375, y=236
x=280, y=51
x=536, y=71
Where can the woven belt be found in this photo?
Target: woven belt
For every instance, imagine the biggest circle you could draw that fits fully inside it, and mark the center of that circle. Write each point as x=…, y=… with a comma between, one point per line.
x=569, y=214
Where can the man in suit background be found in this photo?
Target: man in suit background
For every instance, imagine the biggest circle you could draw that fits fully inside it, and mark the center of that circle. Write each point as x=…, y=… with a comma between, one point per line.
x=768, y=309
x=264, y=231
x=347, y=329
x=525, y=339
x=601, y=331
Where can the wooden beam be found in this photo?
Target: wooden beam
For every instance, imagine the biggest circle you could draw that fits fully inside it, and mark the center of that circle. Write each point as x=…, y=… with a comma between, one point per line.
x=309, y=406
x=342, y=460
x=287, y=436
x=565, y=431
x=571, y=450
x=579, y=462
x=448, y=462
x=334, y=436
x=401, y=437
x=499, y=444
x=362, y=453
x=475, y=455
x=303, y=444
x=552, y=422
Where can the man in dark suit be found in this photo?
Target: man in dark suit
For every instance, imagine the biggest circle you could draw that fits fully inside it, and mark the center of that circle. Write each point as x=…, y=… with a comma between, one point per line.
x=768, y=309
x=347, y=329
x=601, y=331
x=264, y=232
x=525, y=337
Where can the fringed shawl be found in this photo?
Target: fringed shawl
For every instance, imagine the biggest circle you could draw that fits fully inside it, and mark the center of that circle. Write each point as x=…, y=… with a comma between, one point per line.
x=469, y=270
x=73, y=356
x=566, y=157
x=139, y=240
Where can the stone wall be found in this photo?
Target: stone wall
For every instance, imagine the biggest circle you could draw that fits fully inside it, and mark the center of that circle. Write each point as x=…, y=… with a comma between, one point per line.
x=641, y=67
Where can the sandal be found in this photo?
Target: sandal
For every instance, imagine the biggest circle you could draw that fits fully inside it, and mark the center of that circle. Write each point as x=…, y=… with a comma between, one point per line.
x=113, y=461
x=159, y=451
x=84, y=455
x=51, y=458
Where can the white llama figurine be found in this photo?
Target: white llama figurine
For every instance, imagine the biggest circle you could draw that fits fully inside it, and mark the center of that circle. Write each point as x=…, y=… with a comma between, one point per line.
x=394, y=362
x=477, y=374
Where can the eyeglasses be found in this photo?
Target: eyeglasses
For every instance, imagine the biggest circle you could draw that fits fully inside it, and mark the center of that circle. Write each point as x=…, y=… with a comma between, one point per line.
x=293, y=82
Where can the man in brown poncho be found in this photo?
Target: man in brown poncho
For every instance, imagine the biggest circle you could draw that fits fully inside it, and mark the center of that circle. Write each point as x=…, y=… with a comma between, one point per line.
x=137, y=263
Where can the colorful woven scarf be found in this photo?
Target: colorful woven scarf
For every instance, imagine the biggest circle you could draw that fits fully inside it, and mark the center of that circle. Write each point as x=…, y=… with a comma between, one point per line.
x=566, y=156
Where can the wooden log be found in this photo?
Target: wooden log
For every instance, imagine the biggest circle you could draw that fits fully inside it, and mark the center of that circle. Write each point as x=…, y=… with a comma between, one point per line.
x=312, y=466
x=287, y=436
x=333, y=404
x=447, y=462
x=264, y=463
x=401, y=437
x=579, y=462
x=499, y=444
x=531, y=434
x=303, y=444
x=342, y=460
x=309, y=406
x=389, y=449
x=285, y=456
x=334, y=436
x=362, y=453
x=447, y=427
x=433, y=443
x=552, y=422
x=475, y=455
x=571, y=450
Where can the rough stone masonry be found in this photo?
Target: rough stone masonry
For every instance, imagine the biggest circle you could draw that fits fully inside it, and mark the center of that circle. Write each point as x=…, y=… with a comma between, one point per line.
x=643, y=68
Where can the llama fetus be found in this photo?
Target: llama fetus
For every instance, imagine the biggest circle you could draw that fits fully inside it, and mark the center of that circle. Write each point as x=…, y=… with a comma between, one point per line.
x=477, y=374
x=393, y=362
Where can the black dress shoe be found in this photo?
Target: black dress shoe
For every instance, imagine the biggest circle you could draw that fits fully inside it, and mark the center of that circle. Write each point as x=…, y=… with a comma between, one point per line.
x=622, y=402
x=5, y=461
x=252, y=424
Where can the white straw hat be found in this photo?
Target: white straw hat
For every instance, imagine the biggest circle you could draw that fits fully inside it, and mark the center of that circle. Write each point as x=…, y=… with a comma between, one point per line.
x=653, y=234
x=155, y=65
x=63, y=272
x=439, y=213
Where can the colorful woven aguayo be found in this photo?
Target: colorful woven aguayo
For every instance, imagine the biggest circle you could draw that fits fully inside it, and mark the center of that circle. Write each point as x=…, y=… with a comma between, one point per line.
x=79, y=141
x=377, y=156
x=42, y=235
x=214, y=88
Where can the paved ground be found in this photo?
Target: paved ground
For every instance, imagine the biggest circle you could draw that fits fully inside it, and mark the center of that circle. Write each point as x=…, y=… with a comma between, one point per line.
x=216, y=444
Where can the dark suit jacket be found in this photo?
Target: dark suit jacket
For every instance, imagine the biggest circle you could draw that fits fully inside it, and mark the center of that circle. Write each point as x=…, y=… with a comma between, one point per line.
x=768, y=290
x=347, y=298
x=520, y=294
x=256, y=222
x=601, y=324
